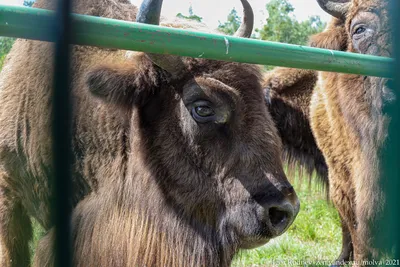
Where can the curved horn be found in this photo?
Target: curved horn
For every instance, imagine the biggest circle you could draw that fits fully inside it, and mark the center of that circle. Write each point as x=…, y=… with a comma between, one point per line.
x=149, y=13
x=336, y=8
x=246, y=27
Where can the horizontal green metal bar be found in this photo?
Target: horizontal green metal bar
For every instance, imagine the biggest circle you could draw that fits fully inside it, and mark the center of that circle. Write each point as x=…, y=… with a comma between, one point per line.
x=31, y=23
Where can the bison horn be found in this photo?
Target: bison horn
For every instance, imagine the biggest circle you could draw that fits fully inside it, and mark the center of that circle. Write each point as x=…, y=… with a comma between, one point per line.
x=246, y=27
x=149, y=13
x=336, y=8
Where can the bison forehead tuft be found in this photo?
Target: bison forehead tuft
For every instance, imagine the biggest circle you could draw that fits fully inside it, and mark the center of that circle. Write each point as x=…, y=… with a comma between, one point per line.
x=367, y=5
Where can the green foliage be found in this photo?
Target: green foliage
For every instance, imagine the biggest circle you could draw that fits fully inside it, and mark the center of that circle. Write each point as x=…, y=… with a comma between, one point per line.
x=283, y=27
x=231, y=25
x=29, y=3
x=7, y=42
x=5, y=47
x=191, y=16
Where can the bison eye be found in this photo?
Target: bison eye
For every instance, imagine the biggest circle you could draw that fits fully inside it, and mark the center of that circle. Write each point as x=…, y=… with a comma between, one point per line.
x=202, y=112
x=359, y=30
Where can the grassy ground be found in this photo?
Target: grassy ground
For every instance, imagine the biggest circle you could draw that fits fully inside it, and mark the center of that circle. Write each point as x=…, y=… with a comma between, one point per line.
x=315, y=235
x=38, y=232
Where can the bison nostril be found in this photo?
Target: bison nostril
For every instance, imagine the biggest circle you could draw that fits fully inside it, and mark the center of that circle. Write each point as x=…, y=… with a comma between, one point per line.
x=277, y=216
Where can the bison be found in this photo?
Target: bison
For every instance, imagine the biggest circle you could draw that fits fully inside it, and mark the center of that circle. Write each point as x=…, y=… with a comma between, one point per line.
x=346, y=118
x=177, y=161
x=288, y=94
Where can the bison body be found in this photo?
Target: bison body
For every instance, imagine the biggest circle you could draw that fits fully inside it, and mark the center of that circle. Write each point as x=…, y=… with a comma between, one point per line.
x=348, y=121
x=346, y=117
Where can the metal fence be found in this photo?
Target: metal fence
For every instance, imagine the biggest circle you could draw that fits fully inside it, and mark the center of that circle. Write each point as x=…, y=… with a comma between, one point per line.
x=61, y=132
x=37, y=24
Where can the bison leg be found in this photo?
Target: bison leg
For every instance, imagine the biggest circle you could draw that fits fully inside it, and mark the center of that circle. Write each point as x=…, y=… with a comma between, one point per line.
x=342, y=196
x=15, y=231
x=347, y=245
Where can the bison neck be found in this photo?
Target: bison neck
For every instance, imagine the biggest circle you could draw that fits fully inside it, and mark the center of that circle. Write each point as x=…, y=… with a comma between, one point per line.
x=168, y=233
x=139, y=226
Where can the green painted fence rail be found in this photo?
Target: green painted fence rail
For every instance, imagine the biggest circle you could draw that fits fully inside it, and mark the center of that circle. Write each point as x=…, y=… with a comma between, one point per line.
x=31, y=23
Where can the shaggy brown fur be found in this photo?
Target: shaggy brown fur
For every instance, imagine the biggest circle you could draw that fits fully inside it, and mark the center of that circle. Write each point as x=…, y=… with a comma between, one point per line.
x=348, y=124
x=350, y=128
x=153, y=187
x=288, y=94
x=346, y=119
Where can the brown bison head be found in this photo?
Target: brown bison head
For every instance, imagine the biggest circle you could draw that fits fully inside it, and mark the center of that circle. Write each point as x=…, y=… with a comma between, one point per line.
x=366, y=23
x=361, y=26
x=202, y=142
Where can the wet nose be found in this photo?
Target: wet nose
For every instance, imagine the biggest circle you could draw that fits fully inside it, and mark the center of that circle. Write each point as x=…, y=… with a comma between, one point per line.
x=280, y=212
x=281, y=216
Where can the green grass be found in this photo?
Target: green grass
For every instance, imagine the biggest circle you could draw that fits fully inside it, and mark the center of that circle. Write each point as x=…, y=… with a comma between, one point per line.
x=315, y=235
x=38, y=232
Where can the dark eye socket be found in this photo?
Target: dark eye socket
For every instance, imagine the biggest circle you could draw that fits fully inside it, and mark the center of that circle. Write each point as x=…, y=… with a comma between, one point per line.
x=202, y=112
x=360, y=30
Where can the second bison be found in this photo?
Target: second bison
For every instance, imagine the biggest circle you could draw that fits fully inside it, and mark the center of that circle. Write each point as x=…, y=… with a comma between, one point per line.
x=346, y=114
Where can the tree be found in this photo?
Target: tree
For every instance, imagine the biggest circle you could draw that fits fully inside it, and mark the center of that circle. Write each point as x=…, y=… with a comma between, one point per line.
x=283, y=27
x=29, y=3
x=7, y=42
x=5, y=47
x=231, y=25
x=191, y=16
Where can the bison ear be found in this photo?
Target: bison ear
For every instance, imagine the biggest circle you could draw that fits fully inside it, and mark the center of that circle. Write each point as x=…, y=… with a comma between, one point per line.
x=334, y=37
x=123, y=85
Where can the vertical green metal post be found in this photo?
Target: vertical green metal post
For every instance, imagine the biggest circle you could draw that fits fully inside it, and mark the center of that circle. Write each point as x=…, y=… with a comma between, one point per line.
x=387, y=230
x=61, y=132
